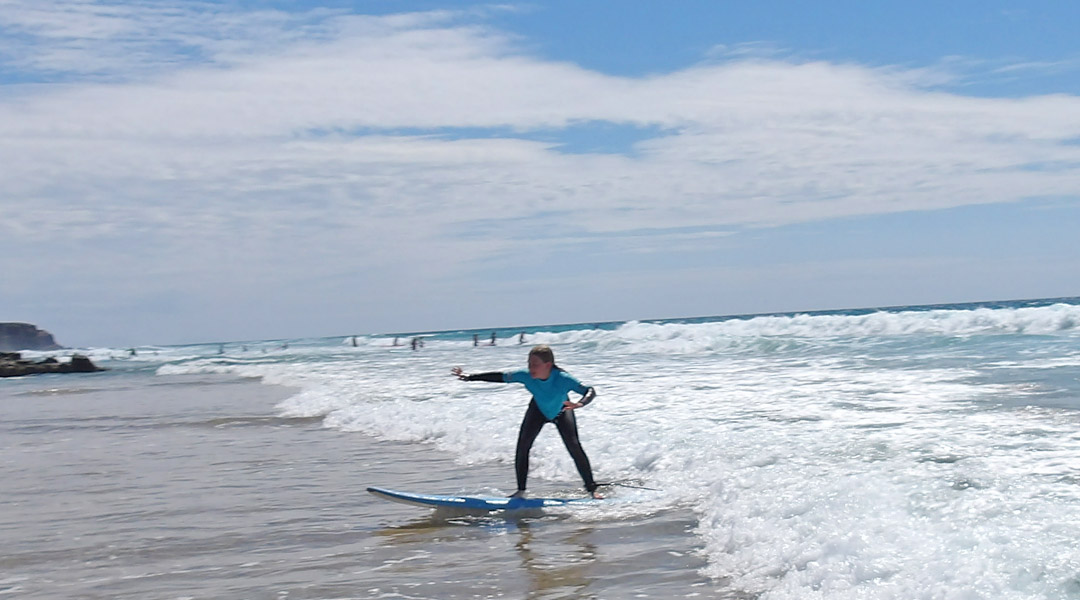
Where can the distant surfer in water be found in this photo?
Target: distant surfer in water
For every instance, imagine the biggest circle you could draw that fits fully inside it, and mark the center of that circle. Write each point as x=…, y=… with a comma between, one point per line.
x=550, y=386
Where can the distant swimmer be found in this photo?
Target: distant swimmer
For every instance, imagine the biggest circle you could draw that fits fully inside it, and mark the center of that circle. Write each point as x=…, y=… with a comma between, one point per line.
x=550, y=386
x=521, y=338
x=354, y=344
x=475, y=340
x=492, y=339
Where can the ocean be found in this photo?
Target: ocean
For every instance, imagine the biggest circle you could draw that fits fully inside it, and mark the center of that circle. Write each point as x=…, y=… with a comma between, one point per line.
x=910, y=452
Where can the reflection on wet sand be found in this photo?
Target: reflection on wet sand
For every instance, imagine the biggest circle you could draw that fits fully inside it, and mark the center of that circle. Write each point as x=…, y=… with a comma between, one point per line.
x=538, y=557
x=556, y=561
x=559, y=569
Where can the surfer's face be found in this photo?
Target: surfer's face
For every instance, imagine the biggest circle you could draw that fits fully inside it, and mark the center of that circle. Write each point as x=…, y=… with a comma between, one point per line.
x=538, y=369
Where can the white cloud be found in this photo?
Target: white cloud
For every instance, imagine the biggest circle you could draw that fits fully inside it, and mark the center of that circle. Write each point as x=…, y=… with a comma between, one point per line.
x=122, y=40
x=273, y=127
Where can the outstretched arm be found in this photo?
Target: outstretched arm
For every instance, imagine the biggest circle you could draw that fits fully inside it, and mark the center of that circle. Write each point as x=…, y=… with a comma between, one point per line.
x=493, y=376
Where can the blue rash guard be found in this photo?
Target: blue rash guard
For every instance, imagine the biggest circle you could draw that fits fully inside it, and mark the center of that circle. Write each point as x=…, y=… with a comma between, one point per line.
x=550, y=393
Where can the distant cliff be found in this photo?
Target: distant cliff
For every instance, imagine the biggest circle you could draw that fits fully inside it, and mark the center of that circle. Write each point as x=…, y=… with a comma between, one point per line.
x=24, y=336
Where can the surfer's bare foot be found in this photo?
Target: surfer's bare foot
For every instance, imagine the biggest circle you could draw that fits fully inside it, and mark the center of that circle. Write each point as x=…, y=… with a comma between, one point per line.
x=520, y=494
x=597, y=496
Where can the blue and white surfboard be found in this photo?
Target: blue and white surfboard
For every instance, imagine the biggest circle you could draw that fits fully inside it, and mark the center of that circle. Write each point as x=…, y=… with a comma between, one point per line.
x=477, y=502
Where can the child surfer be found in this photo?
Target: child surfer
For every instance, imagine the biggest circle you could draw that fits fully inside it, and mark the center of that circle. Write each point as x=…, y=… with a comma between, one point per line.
x=549, y=385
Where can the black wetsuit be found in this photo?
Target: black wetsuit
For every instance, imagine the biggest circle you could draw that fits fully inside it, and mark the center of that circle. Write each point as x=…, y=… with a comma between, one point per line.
x=531, y=425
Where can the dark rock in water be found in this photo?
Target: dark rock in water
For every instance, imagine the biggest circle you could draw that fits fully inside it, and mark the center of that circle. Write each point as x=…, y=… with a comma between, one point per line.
x=12, y=365
x=24, y=336
x=81, y=364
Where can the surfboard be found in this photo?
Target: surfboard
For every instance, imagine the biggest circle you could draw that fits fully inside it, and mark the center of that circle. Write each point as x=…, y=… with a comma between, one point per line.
x=488, y=503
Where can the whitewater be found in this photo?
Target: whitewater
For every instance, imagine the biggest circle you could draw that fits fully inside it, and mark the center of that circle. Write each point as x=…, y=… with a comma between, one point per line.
x=911, y=452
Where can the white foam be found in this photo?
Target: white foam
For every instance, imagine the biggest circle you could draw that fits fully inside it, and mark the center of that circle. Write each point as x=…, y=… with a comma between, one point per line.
x=827, y=456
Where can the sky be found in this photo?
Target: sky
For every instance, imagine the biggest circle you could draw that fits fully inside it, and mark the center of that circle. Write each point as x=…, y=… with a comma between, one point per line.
x=184, y=172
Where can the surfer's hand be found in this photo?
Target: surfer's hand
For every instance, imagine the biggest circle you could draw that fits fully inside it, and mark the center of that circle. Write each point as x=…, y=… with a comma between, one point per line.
x=457, y=372
x=568, y=405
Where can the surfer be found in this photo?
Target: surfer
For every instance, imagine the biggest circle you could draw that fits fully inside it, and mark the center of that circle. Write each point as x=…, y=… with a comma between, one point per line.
x=550, y=403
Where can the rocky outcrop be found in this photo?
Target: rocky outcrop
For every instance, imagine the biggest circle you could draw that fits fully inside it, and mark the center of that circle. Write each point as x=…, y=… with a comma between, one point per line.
x=12, y=365
x=24, y=336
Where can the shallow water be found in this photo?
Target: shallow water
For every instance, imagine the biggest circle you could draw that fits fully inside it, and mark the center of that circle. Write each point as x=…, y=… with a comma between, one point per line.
x=192, y=487
x=918, y=452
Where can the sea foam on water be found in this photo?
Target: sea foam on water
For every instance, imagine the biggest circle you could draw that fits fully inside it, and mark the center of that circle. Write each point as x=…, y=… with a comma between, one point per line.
x=909, y=453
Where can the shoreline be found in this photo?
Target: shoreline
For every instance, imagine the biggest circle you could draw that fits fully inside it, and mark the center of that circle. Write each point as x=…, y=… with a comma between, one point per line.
x=208, y=492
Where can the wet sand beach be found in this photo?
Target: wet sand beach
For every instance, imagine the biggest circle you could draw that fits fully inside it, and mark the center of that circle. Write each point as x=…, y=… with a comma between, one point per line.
x=134, y=486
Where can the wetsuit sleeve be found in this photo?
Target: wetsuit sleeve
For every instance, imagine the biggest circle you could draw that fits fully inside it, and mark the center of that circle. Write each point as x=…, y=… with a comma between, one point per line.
x=588, y=396
x=516, y=377
x=575, y=385
x=492, y=376
x=587, y=393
